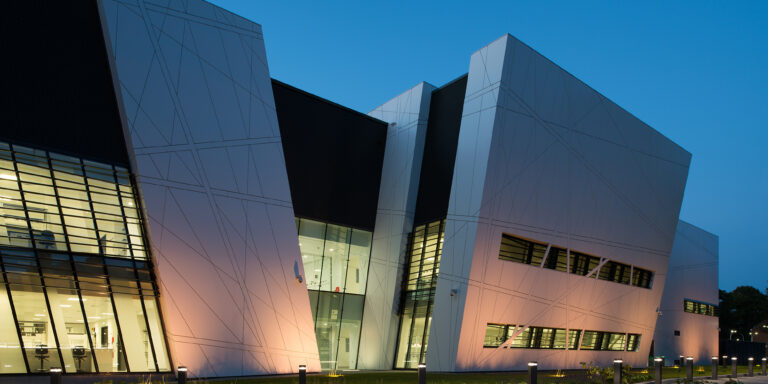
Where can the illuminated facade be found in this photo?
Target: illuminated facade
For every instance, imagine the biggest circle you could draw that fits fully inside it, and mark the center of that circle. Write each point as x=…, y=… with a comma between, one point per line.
x=165, y=202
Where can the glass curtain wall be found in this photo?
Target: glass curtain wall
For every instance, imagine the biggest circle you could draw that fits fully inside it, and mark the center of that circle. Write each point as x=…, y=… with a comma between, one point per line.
x=335, y=260
x=77, y=288
x=425, y=249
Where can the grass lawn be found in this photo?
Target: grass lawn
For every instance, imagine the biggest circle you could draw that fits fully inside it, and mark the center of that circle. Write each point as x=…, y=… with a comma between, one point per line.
x=410, y=377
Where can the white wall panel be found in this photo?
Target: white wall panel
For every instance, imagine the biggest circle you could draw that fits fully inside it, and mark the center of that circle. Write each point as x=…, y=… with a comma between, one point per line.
x=543, y=156
x=692, y=274
x=394, y=221
x=197, y=97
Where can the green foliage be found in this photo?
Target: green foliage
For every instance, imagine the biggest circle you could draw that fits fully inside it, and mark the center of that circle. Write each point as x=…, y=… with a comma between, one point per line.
x=742, y=309
x=600, y=375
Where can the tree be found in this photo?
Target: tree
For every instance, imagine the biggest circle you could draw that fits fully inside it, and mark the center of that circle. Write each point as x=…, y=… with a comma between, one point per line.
x=742, y=309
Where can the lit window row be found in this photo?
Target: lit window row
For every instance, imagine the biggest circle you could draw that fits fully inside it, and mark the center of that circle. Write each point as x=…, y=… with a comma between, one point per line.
x=84, y=313
x=534, y=253
x=558, y=338
x=61, y=203
x=422, y=266
x=697, y=307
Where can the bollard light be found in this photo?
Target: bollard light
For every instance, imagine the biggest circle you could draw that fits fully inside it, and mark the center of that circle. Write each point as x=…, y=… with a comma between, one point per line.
x=715, y=363
x=617, y=371
x=762, y=366
x=533, y=372
x=302, y=374
x=55, y=374
x=725, y=360
x=658, y=362
x=733, y=367
x=422, y=374
x=181, y=375
x=750, y=364
x=689, y=368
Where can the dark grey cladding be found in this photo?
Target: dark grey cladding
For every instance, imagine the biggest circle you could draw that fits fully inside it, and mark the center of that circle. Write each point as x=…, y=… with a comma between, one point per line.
x=333, y=156
x=57, y=90
x=440, y=151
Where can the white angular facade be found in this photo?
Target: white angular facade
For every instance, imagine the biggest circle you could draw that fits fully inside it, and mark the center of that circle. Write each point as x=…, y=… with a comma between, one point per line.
x=688, y=325
x=544, y=157
x=197, y=99
x=515, y=156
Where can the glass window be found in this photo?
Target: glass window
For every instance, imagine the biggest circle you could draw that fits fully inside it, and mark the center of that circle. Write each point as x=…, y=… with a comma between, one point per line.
x=349, y=333
x=11, y=359
x=616, y=272
x=327, y=326
x=495, y=335
x=557, y=259
x=592, y=340
x=633, y=342
x=71, y=330
x=642, y=278
x=335, y=258
x=156, y=330
x=614, y=342
x=574, y=336
x=559, y=340
x=311, y=244
x=522, y=340
x=105, y=334
x=521, y=251
x=34, y=323
x=403, y=337
x=130, y=315
x=359, y=254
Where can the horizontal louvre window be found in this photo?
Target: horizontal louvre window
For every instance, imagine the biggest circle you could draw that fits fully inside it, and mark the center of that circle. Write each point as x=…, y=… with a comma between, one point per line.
x=497, y=335
x=551, y=257
x=700, y=308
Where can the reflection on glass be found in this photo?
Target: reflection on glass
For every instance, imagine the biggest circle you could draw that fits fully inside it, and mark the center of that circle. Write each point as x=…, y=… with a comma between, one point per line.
x=335, y=260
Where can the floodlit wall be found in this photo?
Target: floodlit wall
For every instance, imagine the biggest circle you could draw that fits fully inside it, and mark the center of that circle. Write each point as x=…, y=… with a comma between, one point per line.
x=544, y=157
x=692, y=276
x=197, y=99
x=394, y=221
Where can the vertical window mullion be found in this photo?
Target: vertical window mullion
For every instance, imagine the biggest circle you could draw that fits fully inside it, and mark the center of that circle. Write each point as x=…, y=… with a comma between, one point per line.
x=13, y=311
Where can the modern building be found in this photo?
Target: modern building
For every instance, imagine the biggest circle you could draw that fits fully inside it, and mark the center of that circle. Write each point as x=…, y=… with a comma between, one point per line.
x=166, y=203
x=688, y=314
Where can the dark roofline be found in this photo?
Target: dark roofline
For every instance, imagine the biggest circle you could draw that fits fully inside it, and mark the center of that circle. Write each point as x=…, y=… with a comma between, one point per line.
x=326, y=101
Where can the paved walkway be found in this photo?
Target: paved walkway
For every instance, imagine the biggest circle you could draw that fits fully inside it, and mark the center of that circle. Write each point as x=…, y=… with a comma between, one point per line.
x=757, y=379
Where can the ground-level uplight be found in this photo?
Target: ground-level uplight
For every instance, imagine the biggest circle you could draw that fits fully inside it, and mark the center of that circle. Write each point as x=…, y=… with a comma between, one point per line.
x=181, y=375
x=533, y=368
x=658, y=362
x=55, y=374
x=422, y=374
x=714, y=367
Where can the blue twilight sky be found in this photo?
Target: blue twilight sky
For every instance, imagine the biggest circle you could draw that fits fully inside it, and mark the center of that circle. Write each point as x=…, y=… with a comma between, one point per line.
x=697, y=71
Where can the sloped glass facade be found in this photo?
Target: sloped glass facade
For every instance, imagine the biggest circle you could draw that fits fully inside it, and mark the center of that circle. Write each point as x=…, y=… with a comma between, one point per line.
x=426, y=246
x=335, y=260
x=78, y=289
